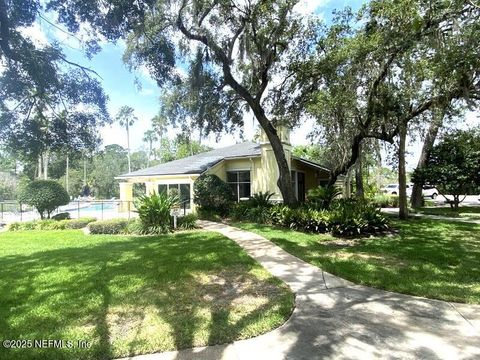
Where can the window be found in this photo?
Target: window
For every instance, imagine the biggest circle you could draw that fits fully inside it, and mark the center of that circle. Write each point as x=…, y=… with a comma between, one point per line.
x=239, y=182
x=298, y=181
x=183, y=191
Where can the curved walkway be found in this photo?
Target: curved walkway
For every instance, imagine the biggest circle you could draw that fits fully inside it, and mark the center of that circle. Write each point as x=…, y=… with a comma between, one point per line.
x=335, y=318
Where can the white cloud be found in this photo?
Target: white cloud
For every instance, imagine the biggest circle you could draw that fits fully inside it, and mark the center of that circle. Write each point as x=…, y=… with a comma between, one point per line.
x=36, y=34
x=309, y=7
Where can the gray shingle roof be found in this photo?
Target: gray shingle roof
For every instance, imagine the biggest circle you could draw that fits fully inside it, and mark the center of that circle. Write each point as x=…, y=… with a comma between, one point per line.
x=197, y=164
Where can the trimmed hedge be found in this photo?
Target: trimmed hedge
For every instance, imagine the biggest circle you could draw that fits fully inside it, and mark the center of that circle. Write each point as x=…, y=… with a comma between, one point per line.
x=187, y=222
x=44, y=195
x=111, y=227
x=50, y=224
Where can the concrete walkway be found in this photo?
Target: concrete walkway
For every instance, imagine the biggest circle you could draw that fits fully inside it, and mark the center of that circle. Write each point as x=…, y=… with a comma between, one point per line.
x=335, y=318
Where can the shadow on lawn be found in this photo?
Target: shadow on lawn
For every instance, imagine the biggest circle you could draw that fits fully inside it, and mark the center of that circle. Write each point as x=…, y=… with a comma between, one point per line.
x=428, y=258
x=99, y=293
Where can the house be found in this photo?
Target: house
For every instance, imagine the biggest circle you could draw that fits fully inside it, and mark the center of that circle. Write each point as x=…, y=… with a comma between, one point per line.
x=248, y=168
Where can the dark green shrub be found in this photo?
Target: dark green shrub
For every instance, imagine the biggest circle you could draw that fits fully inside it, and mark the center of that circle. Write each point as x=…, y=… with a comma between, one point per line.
x=44, y=195
x=14, y=226
x=206, y=214
x=213, y=195
x=261, y=199
x=154, y=212
x=187, y=222
x=112, y=226
x=321, y=197
x=303, y=218
x=61, y=216
x=349, y=217
x=79, y=223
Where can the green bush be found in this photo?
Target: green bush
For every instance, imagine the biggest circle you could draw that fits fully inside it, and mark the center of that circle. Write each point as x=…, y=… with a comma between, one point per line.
x=207, y=214
x=187, y=222
x=213, y=195
x=79, y=223
x=243, y=211
x=261, y=199
x=111, y=227
x=44, y=195
x=50, y=224
x=303, y=218
x=61, y=216
x=385, y=201
x=154, y=212
x=321, y=197
x=350, y=217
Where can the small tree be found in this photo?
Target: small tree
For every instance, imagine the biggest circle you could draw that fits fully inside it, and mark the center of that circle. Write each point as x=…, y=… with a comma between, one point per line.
x=454, y=166
x=213, y=194
x=44, y=195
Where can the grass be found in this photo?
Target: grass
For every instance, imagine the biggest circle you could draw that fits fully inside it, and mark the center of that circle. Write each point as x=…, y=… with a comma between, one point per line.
x=430, y=258
x=464, y=212
x=132, y=295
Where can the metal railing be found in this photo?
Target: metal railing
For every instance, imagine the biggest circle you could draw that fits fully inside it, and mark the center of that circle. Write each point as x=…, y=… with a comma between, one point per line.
x=11, y=211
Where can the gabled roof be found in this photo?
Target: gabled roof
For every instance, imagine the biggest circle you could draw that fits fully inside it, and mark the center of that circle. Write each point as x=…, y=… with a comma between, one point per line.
x=198, y=164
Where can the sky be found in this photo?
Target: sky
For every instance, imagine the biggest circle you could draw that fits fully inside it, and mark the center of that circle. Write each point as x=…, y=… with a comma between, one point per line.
x=121, y=85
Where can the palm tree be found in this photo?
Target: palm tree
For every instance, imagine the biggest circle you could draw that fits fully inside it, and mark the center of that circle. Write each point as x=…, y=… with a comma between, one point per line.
x=149, y=137
x=159, y=124
x=126, y=118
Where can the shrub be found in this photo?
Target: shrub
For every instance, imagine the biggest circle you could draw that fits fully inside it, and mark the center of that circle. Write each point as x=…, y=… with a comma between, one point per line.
x=213, y=195
x=385, y=200
x=350, y=217
x=261, y=199
x=207, y=214
x=79, y=223
x=61, y=216
x=187, y=222
x=321, y=197
x=242, y=211
x=111, y=227
x=44, y=195
x=154, y=212
x=303, y=218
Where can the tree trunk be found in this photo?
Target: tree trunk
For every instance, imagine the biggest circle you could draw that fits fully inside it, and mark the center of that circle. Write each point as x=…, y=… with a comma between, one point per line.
x=431, y=135
x=128, y=149
x=359, y=192
x=378, y=154
x=45, y=165
x=67, y=168
x=39, y=170
x=402, y=179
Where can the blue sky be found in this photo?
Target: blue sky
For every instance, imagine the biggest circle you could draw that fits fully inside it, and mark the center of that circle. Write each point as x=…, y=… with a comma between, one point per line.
x=120, y=85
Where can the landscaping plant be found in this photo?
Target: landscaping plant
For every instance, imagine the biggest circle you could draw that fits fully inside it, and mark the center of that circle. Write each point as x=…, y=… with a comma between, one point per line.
x=321, y=197
x=44, y=195
x=212, y=195
x=154, y=212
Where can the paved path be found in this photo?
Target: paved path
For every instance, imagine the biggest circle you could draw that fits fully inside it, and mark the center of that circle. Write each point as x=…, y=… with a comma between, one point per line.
x=334, y=318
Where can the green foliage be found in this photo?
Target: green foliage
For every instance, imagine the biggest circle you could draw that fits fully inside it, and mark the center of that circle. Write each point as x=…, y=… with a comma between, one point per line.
x=302, y=218
x=260, y=199
x=350, y=217
x=111, y=227
x=154, y=212
x=51, y=224
x=212, y=194
x=8, y=186
x=44, y=195
x=385, y=201
x=321, y=197
x=187, y=222
x=454, y=165
x=79, y=223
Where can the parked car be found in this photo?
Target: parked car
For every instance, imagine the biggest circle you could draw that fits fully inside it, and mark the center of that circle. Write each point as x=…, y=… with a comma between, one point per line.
x=430, y=191
x=393, y=189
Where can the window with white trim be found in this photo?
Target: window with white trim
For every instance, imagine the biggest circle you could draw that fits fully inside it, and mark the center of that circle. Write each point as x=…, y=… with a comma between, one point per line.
x=239, y=182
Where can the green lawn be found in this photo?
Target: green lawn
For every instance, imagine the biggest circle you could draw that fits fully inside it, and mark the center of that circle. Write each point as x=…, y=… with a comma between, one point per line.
x=430, y=258
x=464, y=212
x=132, y=295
